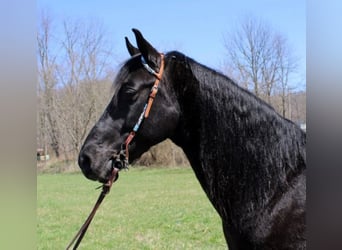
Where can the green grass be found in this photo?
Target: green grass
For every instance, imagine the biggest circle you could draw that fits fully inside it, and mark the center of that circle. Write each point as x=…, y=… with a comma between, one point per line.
x=146, y=209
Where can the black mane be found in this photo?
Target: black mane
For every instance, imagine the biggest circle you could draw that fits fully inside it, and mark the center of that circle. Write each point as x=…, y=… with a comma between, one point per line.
x=257, y=153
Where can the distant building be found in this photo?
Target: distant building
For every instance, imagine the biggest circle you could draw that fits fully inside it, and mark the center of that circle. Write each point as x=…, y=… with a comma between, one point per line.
x=42, y=155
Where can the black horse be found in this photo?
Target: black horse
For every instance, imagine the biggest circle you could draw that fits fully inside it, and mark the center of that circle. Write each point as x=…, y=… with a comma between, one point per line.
x=250, y=161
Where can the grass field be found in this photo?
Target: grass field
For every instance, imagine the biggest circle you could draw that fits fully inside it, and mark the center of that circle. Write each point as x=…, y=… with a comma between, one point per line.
x=146, y=209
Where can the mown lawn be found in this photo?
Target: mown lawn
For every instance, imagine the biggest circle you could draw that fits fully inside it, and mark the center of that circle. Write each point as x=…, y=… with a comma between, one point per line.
x=146, y=209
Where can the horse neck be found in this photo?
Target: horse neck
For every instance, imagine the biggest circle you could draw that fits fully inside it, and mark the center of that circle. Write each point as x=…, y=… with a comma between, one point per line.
x=232, y=138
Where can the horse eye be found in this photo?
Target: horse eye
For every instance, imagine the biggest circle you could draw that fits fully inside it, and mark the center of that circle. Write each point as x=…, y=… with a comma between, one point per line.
x=127, y=93
x=129, y=89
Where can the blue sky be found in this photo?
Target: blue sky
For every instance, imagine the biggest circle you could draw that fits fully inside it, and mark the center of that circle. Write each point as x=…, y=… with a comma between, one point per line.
x=195, y=27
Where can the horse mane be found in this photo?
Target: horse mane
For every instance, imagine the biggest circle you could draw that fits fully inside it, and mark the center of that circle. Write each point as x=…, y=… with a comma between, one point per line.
x=252, y=151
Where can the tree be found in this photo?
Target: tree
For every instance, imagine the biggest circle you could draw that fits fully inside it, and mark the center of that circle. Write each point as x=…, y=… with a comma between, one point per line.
x=84, y=64
x=73, y=82
x=260, y=58
x=287, y=65
x=247, y=48
x=47, y=122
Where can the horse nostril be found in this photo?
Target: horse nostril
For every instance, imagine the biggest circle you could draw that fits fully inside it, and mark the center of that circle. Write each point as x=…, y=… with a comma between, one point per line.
x=84, y=162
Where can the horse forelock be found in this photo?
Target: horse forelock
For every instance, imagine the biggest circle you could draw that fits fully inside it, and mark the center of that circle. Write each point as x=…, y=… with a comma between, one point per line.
x=124, y=71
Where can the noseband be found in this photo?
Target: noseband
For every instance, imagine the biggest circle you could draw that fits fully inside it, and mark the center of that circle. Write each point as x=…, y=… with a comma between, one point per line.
x=124, y=155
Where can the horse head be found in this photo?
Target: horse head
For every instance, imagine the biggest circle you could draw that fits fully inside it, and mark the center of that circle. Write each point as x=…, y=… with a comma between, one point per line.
x=126, y=112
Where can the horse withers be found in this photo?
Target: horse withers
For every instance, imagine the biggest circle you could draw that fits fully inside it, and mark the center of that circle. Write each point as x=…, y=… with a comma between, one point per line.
x=249, y=160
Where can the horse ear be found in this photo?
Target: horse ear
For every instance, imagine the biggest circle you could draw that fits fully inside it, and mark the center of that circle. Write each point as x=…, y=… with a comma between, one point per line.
x=131, y=49
x=150, y=54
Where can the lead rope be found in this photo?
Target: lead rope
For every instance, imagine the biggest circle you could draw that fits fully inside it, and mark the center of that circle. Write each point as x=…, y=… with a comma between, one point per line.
x=105, y=190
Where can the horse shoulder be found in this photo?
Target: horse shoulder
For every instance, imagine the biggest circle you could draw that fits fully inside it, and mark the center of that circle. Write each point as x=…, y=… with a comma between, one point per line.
x=282, y=224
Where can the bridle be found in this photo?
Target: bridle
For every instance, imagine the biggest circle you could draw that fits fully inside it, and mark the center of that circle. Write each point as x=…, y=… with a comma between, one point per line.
x=146, y=110
x=121, y=161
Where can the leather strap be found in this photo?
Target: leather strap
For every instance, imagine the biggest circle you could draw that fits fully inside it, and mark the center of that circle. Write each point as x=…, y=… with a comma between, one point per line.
x=146, y=111
x=105, y=190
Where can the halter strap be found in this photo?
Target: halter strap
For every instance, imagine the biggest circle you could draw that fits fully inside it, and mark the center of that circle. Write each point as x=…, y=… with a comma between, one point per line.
x=148, y=105
x=152, y=71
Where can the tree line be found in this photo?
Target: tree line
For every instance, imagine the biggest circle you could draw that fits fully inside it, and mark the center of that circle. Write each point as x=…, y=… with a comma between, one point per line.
x=262, y=61
x=74, y=79
x=75, y=75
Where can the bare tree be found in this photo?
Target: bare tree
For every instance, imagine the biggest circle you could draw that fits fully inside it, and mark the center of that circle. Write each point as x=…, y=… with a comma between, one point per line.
x=287, y=65
x=261, y=59
x=84, y=63
x=74, y=81
x=46, y=85
x=248, y=49
x=269, y=69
